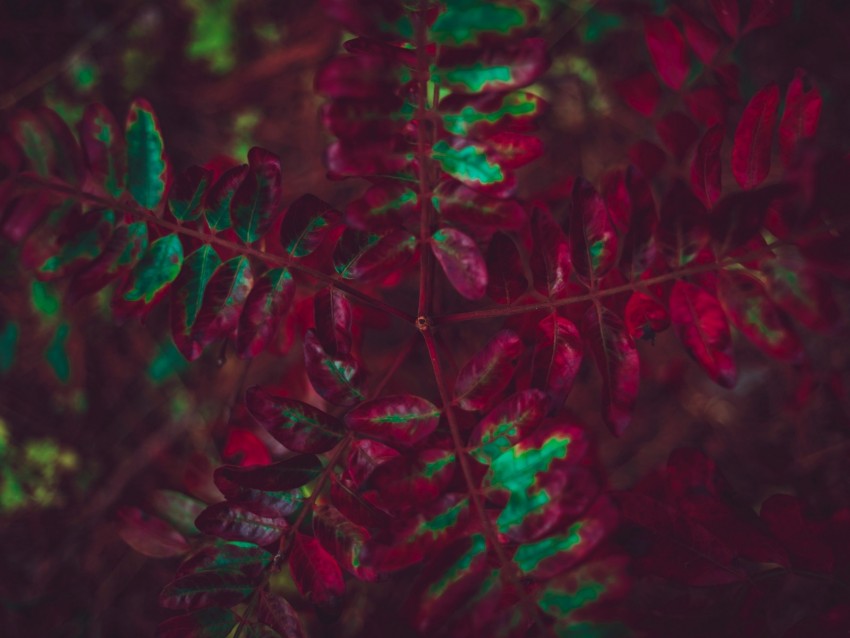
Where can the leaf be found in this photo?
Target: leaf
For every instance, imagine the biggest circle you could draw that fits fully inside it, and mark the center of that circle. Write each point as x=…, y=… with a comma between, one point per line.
x=235, y=523
x=234, y=556
x=726, y=12
x=618, y=364
x=511, y=420
x=745, y=301
x=103, y=148
x=754, y=138
x=316, y=574
x=268, y=503
x=706, y=167
x=470, y=21
x=418, y=477
x=488, y=372
x=766, y=13
x=148, y=535
x=678, y=133
x=256, y=202
x=336, y=379
x=48, y=144
x=187, y=195
x=187, y=296
x=572, y=596
x=121, y=253
x=224, y=297
x=506, y=280
x=489, y=113
x=280, y=476
x=704, y=42
x=550, y=259
x=220, y=196
x=800, y=117
x=178, y=509
x=381, y=207
x=667, y=50
x=206, y=589
x=681, y=234
x=306, y=223
x=364, y=256
x=297, y=425
x=462, y=262
x=645, y=316
x=212, y=622
x=398, y=420
x=147, y=164
x=344, y=540
x=593, y=240
x=802, y=291
x=267, y=304
x=466, y=206
x=332, y=313
x=491, y=68
x=471, y=165
x=245, y=448
x=538, y=482
x=557, y=357
x=158, y=267
x=276, y=612
x=641, y=92
x=701, y=325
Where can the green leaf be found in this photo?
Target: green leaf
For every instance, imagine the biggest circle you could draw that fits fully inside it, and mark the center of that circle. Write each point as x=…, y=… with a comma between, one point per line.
x=158, y=267
x=256, y=202
x=468, y=163
x=217, y=205
x=147, y=164
x=187, y=297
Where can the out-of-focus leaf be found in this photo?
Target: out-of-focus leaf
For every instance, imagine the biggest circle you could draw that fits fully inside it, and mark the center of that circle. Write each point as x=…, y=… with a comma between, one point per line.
x=212, y=622
x=148, y=535
x=158, y=267
x=316, y=574
x=678, y=133
x=801, y=291
x=233, y=556
x=178, y=509
x=397, y=420
x=121, y=253
x=256, y=202
x=538, y=482
x=558, y=353
x=737, y=219
x=728, y=16
x=219, y=197
x=704, y=42
x=593, y=240
x=800, y=117
x=492, y=68
x=550, y=259
x=47, y=144
x=344, y=540
x=706, y=168
x=356, y=508
x=358, y=76
x=103, y=148
x=754, y=138
x=701, y=325
x=506, y=280
x=418, y=477
x=618, y=364
x=357, y=119
x=766, y=13
x=511, y=420
x=187, y=194
x=266, y=306
x=363, y=256
x=277, y=477
x=206, y=589
x=667, y=49
x=245, y=448
x=488, y=372
x=186, y=298
x=641, y=92
x=297, y=425
x=276, y=612
x=745, y=301
x=461, y=204
x=337, y=379
x=147, y=164
x=60, y=249
x=468, y=22
x=224, y=297
x=462, y=262
x=332, y=314
x=306, y=223
x=235, y=523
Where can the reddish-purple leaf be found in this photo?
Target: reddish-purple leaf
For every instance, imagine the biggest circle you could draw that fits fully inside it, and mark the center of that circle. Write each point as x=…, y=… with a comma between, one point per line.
x=645, y=316
x=297, y=425
x=550, y=259
x=745, y=300
x=461, y=204
x=359, y=119
x=178, y=509
x=593, y=239
x=207, y=589
x=356, y=508
x=256, y=203
x=641, y=92
x=235, y=523
x=358, y=76
x=800, y=118
x=681, y=234
x=367, y=256
x=648, y=157
x=416, y=478
x=270, y=504
x=381, y=207
x=701, y=325
x=332, y=314
x=337, y=379
x=491, y=68
x=739, y=218
x=638, y=247
x=488, y=372
x=557, y=357
x=511, y=420
x=667, y=49
x=707, y=105
x=506, y=280
x=306, y=223
x=188, y=192
x=766, y=13
x=704, y=42
x=344, y=540
x=726, y=12
x=148, y=535
x=224, y=297
x=212, y=622
x=706, y=168
x=754, y=138
x=103, y=148
x=617, y=360
x=266, y=306
x=462, y=262
x=678, y=133
x=219, y=197
x=276, y=612
x=397, y=420
x=277, y=477
x=316, y=574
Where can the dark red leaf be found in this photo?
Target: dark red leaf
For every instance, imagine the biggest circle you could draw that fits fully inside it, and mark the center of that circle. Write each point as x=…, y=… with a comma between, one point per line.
x=550, y=258
x=332, y=314
x=397, y=420
x=419, y=478
x=726, y=12
x=256, y=203
x=681, y=234
x=245, y=448
x=707, y=105
x=219, y=197
x=316, y=574
x=704, y=42
x=460, y=204
x=206, y=589
x=647, y=157
x=506, y=280
x=645, y=316
x=276, y=612
x=557, y=357
x=766, y=13
x=358, y=76
x=706, y=168
x=212, y=622
x=367, y=256
x=102, y=143
x=224, y=297
x=638, y=248
x=488, y=372
x=678, y=133
x=462, y=262
x=754, y=138
x=381, y=207
x=344, y=540
x=641, y=92
x=667, y=49
x=266, y=306
x=280, y=476
x=306, y=223
x=235, y=523
x=800, y=117
x=148, y=535
x=593, y=239
x=337, y=379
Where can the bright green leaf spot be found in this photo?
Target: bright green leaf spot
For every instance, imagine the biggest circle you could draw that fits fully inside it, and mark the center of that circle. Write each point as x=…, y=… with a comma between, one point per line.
x=469, y=164
x=476, y=77
x=529, y=555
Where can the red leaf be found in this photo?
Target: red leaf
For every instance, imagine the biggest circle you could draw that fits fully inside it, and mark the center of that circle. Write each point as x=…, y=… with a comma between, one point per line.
x=316, y=574
x=344, y=540
x=678, y=133
x=754, y=138
x=641, y=92
x=367, y=256
x=557, y=357
x=511, y=420
x=706, y=168
x=707, y=105
x=206, y=589
x=188, y=193
x=488, y=372
x=235, y=523
x=381, y=207
x=550, y=259
x=667, y=49
x=266, y=306
x=461, y=204
x=415, y=478
x=800, y=118
x=506, y=280
x=647, y=157
x=283, y=475
x=297, y=425
x=306, y=223
x=336, y=379
x=245, y=448
x=645, y=316
x=699, y=322
x=148, y=535
x=276, y=612
x=224, y=296
x=618, y=364
x=726, y=12
x=397, y=420
x=766, y=13
x=357, y=76
x=593, y=240
x=332, y=313
x=642, y=219
x=103, y=148
x=702, y=40
x=681, y=234
x=462, y=262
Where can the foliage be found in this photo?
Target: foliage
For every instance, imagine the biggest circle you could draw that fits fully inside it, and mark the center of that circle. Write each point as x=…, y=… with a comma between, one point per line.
x=419, y=437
